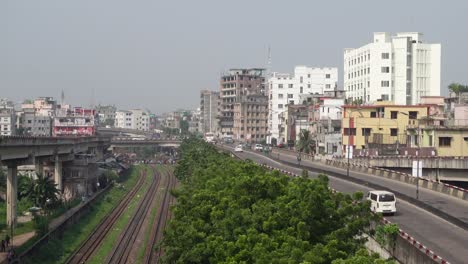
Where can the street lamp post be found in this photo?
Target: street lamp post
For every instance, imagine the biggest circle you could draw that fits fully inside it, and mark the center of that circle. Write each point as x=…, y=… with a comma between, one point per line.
x=417, y=155
x=350, y=134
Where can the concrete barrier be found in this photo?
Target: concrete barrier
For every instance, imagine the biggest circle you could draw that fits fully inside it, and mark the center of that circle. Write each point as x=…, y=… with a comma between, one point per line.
x=410, y=251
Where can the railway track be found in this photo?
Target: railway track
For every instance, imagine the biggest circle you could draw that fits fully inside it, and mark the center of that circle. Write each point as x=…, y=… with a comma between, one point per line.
x=153, y=255
x=92, y=243
x=121, y=251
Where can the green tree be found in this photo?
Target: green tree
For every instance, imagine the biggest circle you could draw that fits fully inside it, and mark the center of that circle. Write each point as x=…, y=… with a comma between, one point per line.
x=458, y=89
x=305, y=144
x=44, y=192
x=231, y=211
x=184, y=126
x=25, y=187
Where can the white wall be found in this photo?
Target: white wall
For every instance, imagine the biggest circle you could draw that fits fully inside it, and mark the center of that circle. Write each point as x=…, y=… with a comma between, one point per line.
x=422, y=78
x=305, y=80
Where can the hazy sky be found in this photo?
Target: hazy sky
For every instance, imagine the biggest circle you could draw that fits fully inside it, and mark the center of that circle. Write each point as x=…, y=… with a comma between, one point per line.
x=160, y=54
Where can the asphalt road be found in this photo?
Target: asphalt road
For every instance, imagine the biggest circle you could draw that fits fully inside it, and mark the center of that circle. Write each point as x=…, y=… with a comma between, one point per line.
x=444, y=238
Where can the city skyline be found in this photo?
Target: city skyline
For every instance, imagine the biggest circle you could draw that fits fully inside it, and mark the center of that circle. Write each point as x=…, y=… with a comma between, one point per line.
x=162, y=59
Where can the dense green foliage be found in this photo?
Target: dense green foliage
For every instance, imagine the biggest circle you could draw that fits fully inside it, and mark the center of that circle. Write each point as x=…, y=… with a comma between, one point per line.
x=231, y=211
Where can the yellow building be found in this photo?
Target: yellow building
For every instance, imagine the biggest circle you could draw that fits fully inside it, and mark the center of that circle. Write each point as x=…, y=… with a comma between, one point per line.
x=367, y=126
x=447, y=141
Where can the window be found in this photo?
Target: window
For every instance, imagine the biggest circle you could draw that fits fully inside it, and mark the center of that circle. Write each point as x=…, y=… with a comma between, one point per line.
x=445, y=141
x=308, y=75
x=327, y=86
x=366, y=131
x=280, y=106
x=347, y=130
x=385, y=84
x=393, y=132
x=290, y=85
x=301, y=90
x=413, y=115
x=308, y=86
x=385, y=56
x=431, y=141
x=280, y=96
x=385, y=69
x=301, y=79
x=327, y=76
x=373, y=114
x=393, y=114
x=280, y=85
x=290, y=95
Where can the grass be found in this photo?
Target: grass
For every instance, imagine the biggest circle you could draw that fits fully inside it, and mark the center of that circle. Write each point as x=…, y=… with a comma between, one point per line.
x=154, y=210
x=109, y=242
x=58, y=250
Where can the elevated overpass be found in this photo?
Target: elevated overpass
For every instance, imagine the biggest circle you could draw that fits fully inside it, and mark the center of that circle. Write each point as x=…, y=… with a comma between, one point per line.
x=435, y=168
x=114, y=131
x=134, y=143
x=15, y=151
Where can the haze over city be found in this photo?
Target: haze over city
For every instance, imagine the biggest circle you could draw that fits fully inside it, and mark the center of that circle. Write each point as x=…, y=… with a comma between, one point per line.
x=158, y=55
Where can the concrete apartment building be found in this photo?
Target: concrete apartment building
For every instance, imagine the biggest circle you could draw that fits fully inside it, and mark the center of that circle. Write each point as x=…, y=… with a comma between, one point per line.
x=34, y=123
x=287, y=89
x=209, y=111
x=7, y=122
x=76, y=122
x=398, y=68
x=132, y=119
x=233, y=85
x=106, y=114
x=381, y=126
x=250, y=118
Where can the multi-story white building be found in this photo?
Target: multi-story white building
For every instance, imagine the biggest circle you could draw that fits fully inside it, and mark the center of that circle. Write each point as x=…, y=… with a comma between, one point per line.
x=132, y=119
x=286, y=89
x=209, y=110
x=7, y=122
x=399, y=68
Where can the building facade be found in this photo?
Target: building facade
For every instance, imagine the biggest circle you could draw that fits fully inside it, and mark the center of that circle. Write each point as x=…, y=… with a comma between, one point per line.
x=399, y=68
x=382, y=127
x=77, y=122
x=7, y=122
x=132, y=119
x=106, y=115
x=250, y=119
x=288, y=89
x=209, y=109
x=33, y=123
x=233, y=85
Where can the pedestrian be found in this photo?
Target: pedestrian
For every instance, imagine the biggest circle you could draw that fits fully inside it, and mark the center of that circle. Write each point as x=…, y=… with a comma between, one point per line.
x=3, y=245
x=7, y=239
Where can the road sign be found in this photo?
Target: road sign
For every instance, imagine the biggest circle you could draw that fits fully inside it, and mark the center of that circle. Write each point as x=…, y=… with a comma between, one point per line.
x=349, y=152
x=417, y=167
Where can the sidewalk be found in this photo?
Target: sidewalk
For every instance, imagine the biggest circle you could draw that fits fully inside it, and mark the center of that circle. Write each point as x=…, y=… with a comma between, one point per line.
x=17, y=241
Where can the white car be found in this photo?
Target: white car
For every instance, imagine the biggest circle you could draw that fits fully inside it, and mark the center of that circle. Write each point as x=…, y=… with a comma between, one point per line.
x=258, y=147
x=382, y=202
x=238, y=148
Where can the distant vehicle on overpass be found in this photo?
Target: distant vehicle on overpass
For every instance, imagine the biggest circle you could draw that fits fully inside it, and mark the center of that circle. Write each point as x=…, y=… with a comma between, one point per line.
x=210, y=137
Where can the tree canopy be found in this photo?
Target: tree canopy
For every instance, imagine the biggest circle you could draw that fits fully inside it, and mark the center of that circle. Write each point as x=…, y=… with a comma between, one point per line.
x=231, y=211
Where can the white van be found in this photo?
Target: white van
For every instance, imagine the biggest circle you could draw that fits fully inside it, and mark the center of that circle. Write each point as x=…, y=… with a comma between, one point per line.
x=382, y=202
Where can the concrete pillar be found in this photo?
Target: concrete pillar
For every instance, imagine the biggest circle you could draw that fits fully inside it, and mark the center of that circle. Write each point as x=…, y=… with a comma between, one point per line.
x=11, y=194
x=39, y=167
x=58, y=173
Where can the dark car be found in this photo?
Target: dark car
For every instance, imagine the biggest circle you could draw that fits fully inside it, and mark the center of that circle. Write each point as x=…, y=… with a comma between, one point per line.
x=280, y=145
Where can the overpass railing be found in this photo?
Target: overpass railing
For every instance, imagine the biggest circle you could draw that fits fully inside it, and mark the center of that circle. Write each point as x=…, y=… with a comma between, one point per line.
x=27, y=140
